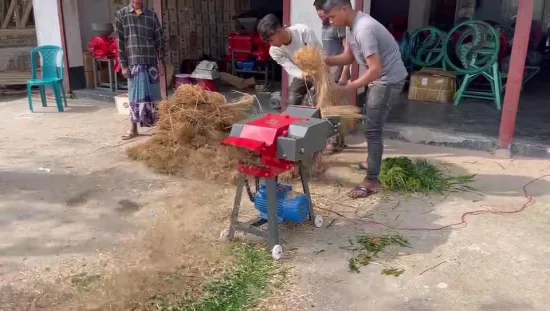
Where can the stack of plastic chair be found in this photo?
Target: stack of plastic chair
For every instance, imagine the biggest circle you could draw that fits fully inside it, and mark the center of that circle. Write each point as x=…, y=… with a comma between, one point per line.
x=52, y=75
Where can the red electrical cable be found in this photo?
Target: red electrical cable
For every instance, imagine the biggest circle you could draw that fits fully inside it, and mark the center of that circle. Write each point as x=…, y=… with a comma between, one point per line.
x=530, y=201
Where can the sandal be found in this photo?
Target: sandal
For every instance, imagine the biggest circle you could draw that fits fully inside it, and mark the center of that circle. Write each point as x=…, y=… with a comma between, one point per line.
x=360, y=192
x=362, y=166
x=130, y=135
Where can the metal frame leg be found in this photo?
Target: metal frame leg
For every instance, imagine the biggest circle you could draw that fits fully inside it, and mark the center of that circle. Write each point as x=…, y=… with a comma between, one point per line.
x=95, y=73
x=236, y=206
x=272, y=223
x=304, y=176
x=111, y=74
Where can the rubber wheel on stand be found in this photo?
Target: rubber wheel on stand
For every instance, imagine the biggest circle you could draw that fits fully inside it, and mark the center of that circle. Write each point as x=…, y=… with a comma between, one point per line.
x=277, y=252
x=318, y=221
x=224, y=235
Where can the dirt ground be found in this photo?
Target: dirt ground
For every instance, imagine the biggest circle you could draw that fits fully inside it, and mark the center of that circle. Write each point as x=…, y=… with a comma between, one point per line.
x=68, y=193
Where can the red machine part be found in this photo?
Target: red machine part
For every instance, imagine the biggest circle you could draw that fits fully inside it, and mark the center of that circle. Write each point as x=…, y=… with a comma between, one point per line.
x=260, y=137
x=251, y=43
x=105, y=48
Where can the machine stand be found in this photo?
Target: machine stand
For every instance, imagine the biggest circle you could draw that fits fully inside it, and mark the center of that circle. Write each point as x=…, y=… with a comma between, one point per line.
x=253, y=227
x=317, y=220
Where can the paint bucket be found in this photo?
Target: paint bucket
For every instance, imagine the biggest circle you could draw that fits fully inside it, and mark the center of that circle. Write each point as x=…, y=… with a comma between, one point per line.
x=208, y=85
x=182, y=79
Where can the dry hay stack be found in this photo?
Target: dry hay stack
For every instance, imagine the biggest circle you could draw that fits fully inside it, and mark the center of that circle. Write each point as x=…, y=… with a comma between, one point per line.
x=189, y=131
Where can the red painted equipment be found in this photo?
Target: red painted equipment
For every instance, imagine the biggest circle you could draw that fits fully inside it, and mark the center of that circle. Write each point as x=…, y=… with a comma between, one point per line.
x=282, y=142
x=260, y=137
x=208, y=85
x=103, y=47
x=251, y=43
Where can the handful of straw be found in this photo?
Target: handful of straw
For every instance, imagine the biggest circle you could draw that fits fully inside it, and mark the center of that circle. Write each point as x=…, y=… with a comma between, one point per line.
x=329, y=98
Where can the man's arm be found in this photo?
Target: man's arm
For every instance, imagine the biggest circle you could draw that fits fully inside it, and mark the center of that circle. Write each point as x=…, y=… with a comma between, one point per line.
x=343, y=59
x=346, y=74
x=282, y=59
x=369, y=49
x=159, y=39
x=119, y=30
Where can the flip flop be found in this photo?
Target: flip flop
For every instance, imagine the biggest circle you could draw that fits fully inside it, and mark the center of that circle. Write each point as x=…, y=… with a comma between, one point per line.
x=129, y=136
x=362, y=167
x=360, y=192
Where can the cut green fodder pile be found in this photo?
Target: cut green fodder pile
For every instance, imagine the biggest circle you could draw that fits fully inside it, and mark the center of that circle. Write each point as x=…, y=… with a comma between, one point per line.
x=405, y=175
x=251, y=281
x=367, y=249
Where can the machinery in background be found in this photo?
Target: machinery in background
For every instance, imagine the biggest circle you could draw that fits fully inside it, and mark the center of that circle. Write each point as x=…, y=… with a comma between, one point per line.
x=247, y=53
x=476, y=52
x=104, y=49
x=472, y=50
x=279, y=143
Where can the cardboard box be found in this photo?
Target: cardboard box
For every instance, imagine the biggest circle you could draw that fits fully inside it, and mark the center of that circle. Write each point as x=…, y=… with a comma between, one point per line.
x=122, y=104
x=237, y=82
x=436, y=86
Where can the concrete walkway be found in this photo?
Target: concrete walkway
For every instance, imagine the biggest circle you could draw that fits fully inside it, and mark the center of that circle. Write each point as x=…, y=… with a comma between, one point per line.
x=67, y=191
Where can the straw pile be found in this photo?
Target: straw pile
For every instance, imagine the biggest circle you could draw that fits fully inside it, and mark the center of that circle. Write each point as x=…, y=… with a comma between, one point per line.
x=189, y=131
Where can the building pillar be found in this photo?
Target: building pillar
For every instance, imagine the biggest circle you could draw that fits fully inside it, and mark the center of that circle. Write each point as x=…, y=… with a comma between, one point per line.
x=284, y=77
x=157, y=6
x=70, y=34
x=419, y=14
x=515, y=75
x=362, y=6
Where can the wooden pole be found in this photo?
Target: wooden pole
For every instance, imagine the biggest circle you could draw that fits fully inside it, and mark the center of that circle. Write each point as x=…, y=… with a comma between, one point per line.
x=285, y=79
x=515, y=74
x=157, y=6
x=358, y=6
x=67, y=79
x=9, y=14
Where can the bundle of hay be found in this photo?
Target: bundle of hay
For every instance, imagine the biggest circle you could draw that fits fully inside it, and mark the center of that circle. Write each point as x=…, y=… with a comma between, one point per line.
x=189, y=131
x=328, y=96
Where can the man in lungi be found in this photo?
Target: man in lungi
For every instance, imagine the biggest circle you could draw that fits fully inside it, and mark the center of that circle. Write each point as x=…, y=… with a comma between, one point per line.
x=141, y=53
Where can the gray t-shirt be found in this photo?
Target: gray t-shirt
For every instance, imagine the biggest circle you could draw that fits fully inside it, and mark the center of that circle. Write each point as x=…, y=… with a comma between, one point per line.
x=332, y=39
x=368, y=37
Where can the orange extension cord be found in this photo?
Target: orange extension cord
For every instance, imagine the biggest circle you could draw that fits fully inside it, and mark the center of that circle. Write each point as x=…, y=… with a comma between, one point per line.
x=488, y=210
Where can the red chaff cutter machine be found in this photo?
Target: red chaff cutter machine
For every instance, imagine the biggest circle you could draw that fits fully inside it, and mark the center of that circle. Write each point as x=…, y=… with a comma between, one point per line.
x=282, y=141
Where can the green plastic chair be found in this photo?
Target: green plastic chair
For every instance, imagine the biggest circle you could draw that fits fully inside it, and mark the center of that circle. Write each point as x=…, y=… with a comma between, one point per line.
x=52, y=75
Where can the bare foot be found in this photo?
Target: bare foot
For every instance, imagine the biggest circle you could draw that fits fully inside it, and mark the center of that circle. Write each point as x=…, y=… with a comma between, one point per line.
x=330, y=149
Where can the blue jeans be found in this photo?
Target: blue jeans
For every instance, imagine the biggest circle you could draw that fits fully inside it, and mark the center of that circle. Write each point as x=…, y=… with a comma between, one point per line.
x=380, y=99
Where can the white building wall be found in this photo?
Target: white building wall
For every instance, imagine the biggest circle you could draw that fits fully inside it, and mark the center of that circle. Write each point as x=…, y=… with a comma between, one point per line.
x=46, y=19
x=48, y=32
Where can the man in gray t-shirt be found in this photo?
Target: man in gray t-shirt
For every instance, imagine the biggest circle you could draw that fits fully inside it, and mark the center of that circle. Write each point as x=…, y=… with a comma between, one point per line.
x=373, y=47
x=333, y=38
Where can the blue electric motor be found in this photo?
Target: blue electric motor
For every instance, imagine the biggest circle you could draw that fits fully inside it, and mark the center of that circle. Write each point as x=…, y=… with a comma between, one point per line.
x=290, y=206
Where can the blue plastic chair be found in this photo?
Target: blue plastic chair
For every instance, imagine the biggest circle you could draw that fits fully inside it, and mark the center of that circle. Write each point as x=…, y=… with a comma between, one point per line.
x=52, y=75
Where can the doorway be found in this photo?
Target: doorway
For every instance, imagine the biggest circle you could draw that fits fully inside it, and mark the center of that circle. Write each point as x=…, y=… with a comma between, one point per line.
x=443, y=14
